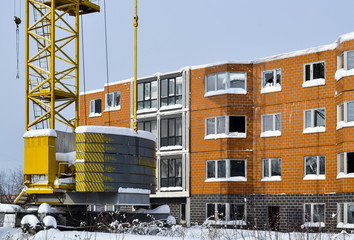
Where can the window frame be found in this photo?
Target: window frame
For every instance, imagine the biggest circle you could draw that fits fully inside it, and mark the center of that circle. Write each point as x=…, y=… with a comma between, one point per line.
x=344, y=211
x=228, y=176
x=227, y=133
x=112, y=108
x=144, y=122
x=227, y=84
x=271, y=177
x=344, y=173
x=169, y=95
x=313, y=120
x=175, y=177
x=274, y=78
x=311, y=70
x=342, y=60
x=93, y=112
x=170, y=137
x=227, y=217
x=342, y=117
x=274, y=131
x=150, y=99
x=318, y=175
x=312, y=214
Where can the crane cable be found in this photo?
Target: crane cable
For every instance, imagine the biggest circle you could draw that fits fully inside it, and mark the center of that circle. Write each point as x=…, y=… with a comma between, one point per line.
x=107, y=72
x=17, y=20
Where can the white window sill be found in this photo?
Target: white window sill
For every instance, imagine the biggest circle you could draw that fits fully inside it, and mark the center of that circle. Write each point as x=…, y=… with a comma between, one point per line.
x=314, y=177
x=95, y=115
x=226, y=91
x=276, y=133
x=230, y=179
x=169, y=107
x=343, y=124
x=146, y=110
x=223, y=135
x=345, y=225
x=314, y=82
x=171, y=189
x=231, y=222
x=314, y=130
x=169, y=148
x=345, y=175
x=340, y=73
x=270, y=89
x=110, y=109
x=270, y=179
x=313, y=224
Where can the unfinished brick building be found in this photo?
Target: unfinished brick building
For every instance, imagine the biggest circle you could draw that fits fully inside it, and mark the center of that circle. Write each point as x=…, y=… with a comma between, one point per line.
x=266, y=143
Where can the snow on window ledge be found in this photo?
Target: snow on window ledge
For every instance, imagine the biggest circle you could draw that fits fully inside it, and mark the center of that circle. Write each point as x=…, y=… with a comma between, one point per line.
x=95, y=115
x=269, y=89
x=109, y=109
x=166, y=148
x=171, y=107
x=313, y=224
x=273, y=178
x=345, y=225
x=171, y=189
x=230, y=179
x=314, y=130
x=340, y=73
x=231, y=222
x=313, y=83
x=226, y=91
x=146, y=110
x=276, y=133
x=314, y=177
x=345, y=175
x=343, y=124
x=223, y=135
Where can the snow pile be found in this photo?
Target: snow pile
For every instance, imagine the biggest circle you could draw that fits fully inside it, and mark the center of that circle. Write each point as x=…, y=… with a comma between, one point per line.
x=69, y=157
x=343, y=73
x=30, y=219
x=45, y=208
x=171, y=220
x=275, y=133
x=269, y=89
x=10, y=208
x=40, y=133
x=50, y=221
x=226, y=91
x=116, y=131
x=163, y=209
x=314, y=129
x=134, y=190
x=313, y=83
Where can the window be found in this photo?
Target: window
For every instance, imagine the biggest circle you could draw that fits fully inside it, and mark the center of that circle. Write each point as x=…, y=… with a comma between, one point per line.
x=150, y=126
x=346, y=215
x=182, y=212
x=113, y=101
x=171, y=91
x=345, y=164
x=171, y=172
x=314, y=120
x=345, y=114
x=226, y=213
x=225, y=126
x=225, y=82
x=171, y=132
x=271, y=81
x=314, y=215
x=271, y=169
x=95, y=107
x=345, y=60
x=147, y=95
x=226, y=169
x=271, y=125
x=314, y=74
x=315, y=167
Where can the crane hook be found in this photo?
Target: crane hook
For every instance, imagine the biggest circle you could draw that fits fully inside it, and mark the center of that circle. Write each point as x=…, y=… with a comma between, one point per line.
x=18, y=22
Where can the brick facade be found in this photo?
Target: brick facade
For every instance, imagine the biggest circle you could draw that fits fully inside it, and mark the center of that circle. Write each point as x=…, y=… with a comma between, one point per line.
x=291, y=99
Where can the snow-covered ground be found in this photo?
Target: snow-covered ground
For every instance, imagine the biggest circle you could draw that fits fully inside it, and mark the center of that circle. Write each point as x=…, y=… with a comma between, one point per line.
x=176, y=233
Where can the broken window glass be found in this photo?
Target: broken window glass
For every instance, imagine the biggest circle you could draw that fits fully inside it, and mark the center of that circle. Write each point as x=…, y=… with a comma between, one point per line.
x=237, y=168
x=221, y=81
x=318, y=213
x=276, y=167
x=319, y=118
x=311, y=165
x=210, y=211
x=308, y=213
x=221, y=211
x=318, y=70
x=268, y=78
x=237, y=80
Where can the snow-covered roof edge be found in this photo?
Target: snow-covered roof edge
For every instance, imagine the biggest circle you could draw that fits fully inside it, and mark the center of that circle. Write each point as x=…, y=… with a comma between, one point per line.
x=116, y=131
x=118, y=82
x=40, y=133
x=219, y=63
x=93, y=91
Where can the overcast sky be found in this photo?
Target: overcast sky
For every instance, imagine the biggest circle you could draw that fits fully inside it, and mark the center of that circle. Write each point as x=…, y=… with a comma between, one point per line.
x=172, y=35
